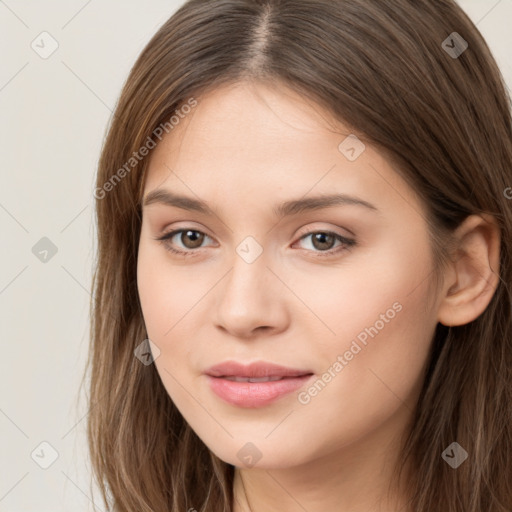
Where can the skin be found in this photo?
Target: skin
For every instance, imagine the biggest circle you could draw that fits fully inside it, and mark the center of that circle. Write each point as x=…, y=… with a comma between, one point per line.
x=244, y=149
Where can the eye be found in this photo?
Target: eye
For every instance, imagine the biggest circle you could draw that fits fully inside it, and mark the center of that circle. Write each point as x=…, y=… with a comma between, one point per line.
x=190, y=238
x=323, y=242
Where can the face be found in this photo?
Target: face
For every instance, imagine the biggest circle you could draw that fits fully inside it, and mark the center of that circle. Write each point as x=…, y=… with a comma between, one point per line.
x=303, y=264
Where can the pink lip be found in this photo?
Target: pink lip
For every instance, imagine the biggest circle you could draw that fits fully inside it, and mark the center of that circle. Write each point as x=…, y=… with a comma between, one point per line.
x=254, y=394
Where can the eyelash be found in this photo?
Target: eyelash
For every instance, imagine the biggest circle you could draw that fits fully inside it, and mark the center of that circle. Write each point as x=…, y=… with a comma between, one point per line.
x=348, y=243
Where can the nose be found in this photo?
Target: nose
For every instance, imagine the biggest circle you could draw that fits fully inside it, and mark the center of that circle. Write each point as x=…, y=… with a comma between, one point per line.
x=251, y=300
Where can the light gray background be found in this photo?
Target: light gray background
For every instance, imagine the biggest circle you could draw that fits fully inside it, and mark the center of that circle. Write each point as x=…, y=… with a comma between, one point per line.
x=54, y=113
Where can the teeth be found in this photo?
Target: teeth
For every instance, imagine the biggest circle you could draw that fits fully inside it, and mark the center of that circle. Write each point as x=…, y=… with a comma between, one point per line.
x=253, y=379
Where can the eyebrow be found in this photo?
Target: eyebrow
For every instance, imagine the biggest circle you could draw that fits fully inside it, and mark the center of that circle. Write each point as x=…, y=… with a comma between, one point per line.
x=288, y=208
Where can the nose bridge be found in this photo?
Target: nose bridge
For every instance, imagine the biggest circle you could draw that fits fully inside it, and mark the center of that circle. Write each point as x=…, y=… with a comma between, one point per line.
x=250, y=296
x=247, y=280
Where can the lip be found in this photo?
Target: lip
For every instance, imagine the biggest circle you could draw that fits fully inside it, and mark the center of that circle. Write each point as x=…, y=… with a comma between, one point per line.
x=254, y=370
x=254, y=394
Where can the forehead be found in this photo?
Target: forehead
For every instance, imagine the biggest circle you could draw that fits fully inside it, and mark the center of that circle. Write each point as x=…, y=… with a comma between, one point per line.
x=250, y=122
x=250, y=139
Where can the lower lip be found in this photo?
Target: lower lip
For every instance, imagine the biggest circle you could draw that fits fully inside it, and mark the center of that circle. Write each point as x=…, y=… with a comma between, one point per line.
x=255, y=394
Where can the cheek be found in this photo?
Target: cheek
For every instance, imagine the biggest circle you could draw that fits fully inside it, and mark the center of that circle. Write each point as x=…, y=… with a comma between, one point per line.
x=378, y=313
x=373, y=369
x=383, y=336
x=171, y=298
x=167, y=295
x=368, y=288
x=167, y=292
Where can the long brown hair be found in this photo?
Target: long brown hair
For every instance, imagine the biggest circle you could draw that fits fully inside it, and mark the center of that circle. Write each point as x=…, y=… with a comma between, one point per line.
x=443, y=119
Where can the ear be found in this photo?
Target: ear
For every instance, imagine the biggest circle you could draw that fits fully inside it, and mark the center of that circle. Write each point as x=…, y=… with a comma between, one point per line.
x=473, y=274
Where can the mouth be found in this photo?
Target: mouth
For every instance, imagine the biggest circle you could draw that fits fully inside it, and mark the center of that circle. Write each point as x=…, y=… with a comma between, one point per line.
x=254, y=379
x=254, y=385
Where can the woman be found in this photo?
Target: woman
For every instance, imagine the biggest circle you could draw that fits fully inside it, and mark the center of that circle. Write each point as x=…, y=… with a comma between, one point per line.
x=302, y=294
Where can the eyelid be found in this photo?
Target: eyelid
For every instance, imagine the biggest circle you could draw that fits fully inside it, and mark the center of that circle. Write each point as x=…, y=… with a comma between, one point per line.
x=168, y=236
x=321, y=229
x=346, y=243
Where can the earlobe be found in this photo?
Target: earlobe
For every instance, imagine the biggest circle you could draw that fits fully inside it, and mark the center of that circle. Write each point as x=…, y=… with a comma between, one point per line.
x=474, y=271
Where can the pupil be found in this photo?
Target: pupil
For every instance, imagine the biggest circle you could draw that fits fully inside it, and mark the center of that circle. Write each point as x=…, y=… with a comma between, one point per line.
x=195, y=237
x=323, y=239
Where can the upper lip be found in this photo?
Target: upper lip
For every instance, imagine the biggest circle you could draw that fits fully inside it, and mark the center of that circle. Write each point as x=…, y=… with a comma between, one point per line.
x=255, y=370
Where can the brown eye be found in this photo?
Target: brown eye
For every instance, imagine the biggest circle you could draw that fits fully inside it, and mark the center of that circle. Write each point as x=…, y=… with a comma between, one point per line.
x=183, y=241
x=323, y=241
x=191, y=239
x=326, y=243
